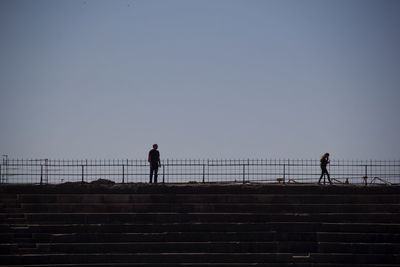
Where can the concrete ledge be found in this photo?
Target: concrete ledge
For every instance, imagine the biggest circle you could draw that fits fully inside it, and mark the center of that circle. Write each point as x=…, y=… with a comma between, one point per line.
x=213, y=188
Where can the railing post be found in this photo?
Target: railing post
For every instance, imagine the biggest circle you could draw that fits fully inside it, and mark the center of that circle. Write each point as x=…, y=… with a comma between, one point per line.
x=5, y=171
x=248, y=170
x=366, y=175
x=123, y=173
x=208, y=170
x=284, y=173
x=46, y=164
x=244, y=173
x=83, y=173
x=41, y=174
x=204, y=173
x=163, y=173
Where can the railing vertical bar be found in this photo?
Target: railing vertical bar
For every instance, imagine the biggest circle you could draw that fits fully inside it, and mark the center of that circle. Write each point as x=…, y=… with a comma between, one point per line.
x=83, y=173
x=167, y=169
x=123, y=173
x=163, y=173
x=244, y=173
x=41, y=174
x=284, y=173
x=204, y=172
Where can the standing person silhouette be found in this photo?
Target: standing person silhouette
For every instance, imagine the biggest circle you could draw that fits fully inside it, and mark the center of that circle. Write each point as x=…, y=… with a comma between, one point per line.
x=324, y=162
x=154, y=160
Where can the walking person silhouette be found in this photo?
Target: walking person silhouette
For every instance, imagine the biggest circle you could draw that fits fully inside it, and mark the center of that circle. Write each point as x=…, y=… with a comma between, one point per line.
x=154, y=160
x=324, y=162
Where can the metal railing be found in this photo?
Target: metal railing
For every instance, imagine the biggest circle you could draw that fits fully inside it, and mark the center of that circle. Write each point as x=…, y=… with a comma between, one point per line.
x=46, y=171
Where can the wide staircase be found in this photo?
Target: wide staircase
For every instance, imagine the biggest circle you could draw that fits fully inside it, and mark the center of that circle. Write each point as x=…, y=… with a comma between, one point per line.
x=199, y=225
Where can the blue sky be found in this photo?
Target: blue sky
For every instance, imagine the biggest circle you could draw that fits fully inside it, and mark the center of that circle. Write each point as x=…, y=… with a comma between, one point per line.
x=203, y=79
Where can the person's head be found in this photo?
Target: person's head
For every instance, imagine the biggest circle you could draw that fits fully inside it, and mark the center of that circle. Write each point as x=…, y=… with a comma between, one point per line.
x=155, y=146
x=326, y=155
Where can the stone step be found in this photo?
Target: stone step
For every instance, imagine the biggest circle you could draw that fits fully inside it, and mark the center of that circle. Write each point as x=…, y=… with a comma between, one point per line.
x=3, y=217
x=7, y=248
x=18, y=210
x=209, y=198
x=27, y=250
x=6, y=237
x=22, y=235
x=358, y=237
x=18, y=215
x=207, y=264
x=358, y=248
x=208, y=207
x=160, y=247
x=248, y=258
x=109, y=218
x=15, y=220
x=25, y=243
x=217, y=236
x=7, y=197
x=158, y=237
x=218, y=247
x=179, y=264
x=283, y=227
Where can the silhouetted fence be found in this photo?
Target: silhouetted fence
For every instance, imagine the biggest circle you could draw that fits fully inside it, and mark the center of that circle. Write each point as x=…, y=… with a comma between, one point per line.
x=46, y=171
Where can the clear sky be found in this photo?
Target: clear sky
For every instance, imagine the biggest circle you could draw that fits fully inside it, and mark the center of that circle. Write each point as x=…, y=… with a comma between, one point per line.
x=202, y=78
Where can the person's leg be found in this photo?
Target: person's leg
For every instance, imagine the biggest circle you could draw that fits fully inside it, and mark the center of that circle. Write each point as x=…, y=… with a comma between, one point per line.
x=329, y=178
x=322, y=175
x=155, y=174
x=151, y=175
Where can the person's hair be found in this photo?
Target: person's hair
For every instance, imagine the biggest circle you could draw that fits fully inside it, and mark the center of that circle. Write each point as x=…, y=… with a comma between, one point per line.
x=325, y=155
x=155, y=146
